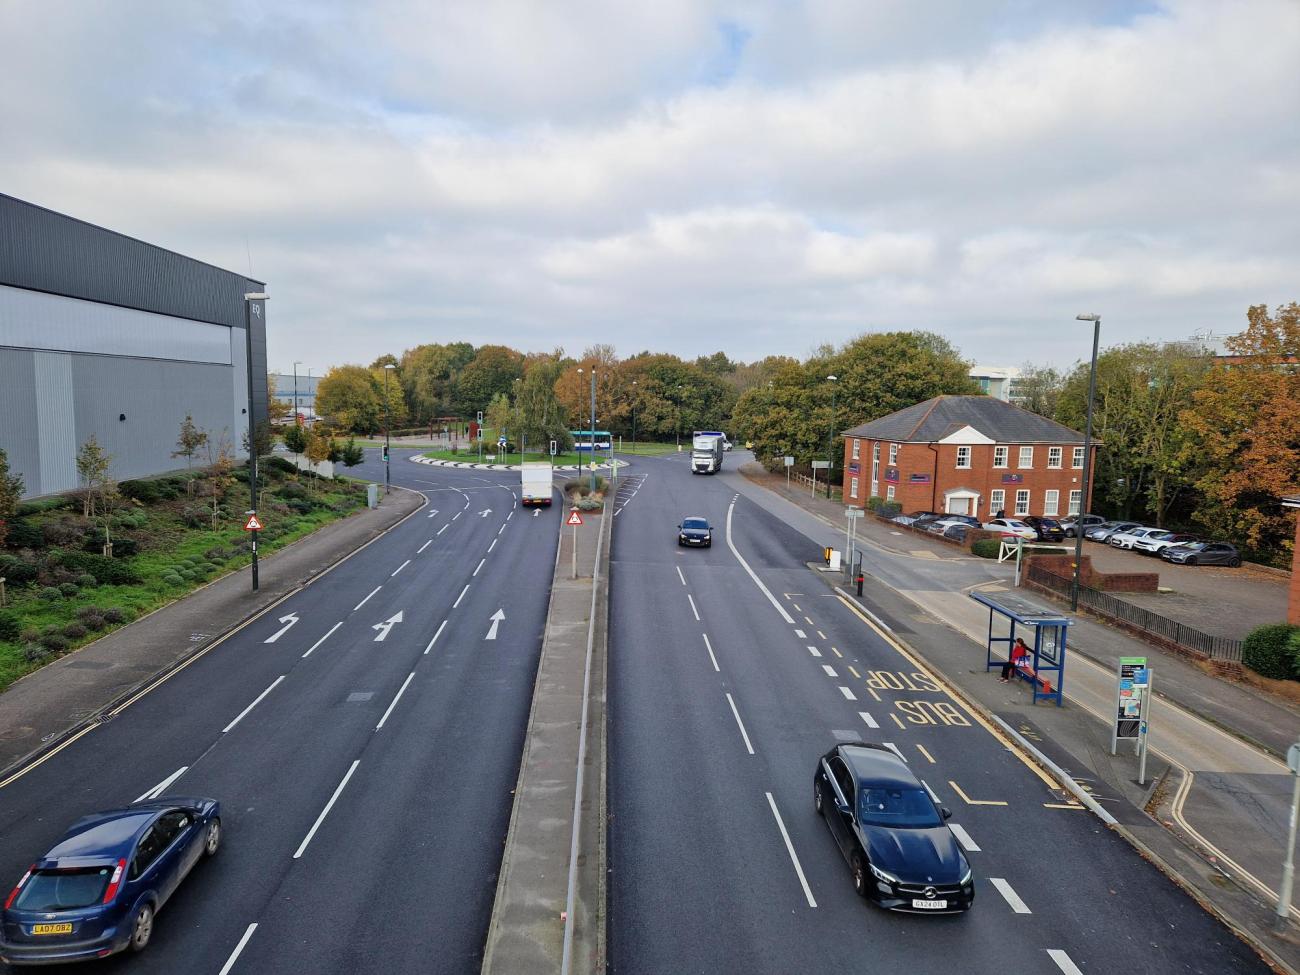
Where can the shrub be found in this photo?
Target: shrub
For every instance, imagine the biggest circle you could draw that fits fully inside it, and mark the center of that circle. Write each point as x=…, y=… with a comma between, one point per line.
x=54, y=642
x=45, y=504
x=111, y=572
x=124, y=548
x=195, y=517
x=34, y=653
x=86, y=581
x=277, y=464
x=9, y=627
x=292, y=489
x=23, y=534
x=91, y=617
x=145, y=491
x=68, y=589
x=75, y=631
x=1265, y=650
x=874, y=502
x=16, y=571
x=590, y=504
x=115, y=616
x=889, y=509
x=30, y=634
x=300, y=506
x=61, y=533
x=986, y=548
x=600, y=483
x=50, y=593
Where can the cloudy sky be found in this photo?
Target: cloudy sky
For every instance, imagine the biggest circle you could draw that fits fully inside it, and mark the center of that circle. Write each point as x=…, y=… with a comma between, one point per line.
x=681, y=175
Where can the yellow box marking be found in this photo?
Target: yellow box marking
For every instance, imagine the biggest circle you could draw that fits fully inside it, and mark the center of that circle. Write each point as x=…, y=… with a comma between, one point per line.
x=898, y=722
x=872, y=692
x=973, y=802
x=929, y=758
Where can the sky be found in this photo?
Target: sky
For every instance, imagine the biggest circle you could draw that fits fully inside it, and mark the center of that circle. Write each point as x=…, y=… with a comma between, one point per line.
x=683, y=176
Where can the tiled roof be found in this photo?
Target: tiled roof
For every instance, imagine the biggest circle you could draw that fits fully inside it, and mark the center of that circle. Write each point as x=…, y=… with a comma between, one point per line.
x=936, y=418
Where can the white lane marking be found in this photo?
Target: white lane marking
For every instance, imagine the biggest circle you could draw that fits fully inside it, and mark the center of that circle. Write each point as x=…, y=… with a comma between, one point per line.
x=871, y=722
x=830, y=671
x=963, y=837
x=401, y=567
x=400, y=692
x=753, y=575
x=501, y=529
x=324, y=638
x=253, y=705
x=325, y=812
x=1063, y=961
x=457, y=514
x=693, y=609
x=481, y=563
x=709, y=646
x=933, y=797
x=814, y=651
x=807, y=891
x=509, y=516
x=743, y=734
x=460, y=597
x=162, y=786
x=848, y=694
x=443, y=529
x=234, y=955
x=494, y=544
x=1017, y=905
x=441, y=627
x=894, y=748
x=367, y=599
x=680, y=576
x=801, y=634
x=424, y=546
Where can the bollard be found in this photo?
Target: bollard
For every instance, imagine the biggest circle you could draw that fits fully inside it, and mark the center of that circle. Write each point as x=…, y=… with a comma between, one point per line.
x=859, y=583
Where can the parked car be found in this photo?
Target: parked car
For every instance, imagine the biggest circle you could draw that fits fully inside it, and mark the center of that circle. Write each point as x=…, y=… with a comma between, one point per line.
x=695, y=531
x=1070, y=525
x=1010, y=528
x=1125, y=539
x=1045, y=529
x=957, y=532
x=916, y=516
x=894, y=836
x=98, y=889
x=1157, y=542
x=941, y=525
x=1203, y=553
x=1103, y=531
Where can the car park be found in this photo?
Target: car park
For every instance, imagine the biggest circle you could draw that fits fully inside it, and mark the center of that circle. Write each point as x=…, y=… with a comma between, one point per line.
x=1010, y=528
x=98, y=889
x=1045, y=529
x=1203, y=553
x=1070, y=525
x=1156, y=542
x=895, y=837
x=1125, y=539
x=941, y=525
x=695, y=531
x=1103, y=531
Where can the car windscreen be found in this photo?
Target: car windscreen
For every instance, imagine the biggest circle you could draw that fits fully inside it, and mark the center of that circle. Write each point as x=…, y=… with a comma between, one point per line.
x=699, y=523
x=1193, y=546
x=892, y=806
x=63, y=890
x=1049, y=522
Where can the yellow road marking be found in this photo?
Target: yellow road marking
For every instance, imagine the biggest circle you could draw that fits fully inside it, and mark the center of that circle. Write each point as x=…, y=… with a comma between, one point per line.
x=854, y=672
x=1062, y=805
x=837, y=653
x=928, y=756
x=974, y=802
x=821, y=634
x=872, y=692
x=797, y=609
x=810, y=622
x=898, y=722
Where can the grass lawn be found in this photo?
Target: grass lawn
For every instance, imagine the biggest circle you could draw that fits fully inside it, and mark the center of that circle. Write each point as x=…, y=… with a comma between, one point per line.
x=63, y=594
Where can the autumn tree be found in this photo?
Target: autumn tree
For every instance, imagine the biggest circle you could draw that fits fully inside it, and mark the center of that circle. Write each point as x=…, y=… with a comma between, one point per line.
x=221, y=461
x=493, y=370
x=541, y=416
x=93, y=465
x=319, y=447
x=1038, y=389
x=277, y=410
x=349, y=397
x=428, y=375
x=191, y=440
x=11, y=493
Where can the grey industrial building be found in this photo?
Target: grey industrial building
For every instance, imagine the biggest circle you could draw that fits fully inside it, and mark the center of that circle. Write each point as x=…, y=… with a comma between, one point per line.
x=104, y=334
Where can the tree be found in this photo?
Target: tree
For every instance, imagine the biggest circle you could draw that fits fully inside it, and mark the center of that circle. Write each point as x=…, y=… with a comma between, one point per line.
x=318, y=448
x=276, y=409
x=541, y=417
x=295, y=439
x=1243, y=430
x=1038, y=389
x=348, y=396
x=428, y=376
x=11, y=492
x=500, y=415
x=92, y=471
x=188, y=444
x=352, y=453
x=221, y=461
x=493, y=370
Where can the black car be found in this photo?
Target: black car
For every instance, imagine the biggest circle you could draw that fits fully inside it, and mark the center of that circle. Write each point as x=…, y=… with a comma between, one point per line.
x=1203, y=553
x=695, y=531
x=1048, y=529
x=893, y=835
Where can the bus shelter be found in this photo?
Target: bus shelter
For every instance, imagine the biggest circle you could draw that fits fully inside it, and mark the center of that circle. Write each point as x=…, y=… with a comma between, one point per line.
x=1046, y=673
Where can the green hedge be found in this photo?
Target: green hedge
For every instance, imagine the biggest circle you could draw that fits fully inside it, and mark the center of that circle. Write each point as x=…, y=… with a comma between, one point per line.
x=986, y=548
x=1265, y=650
x=110, y=572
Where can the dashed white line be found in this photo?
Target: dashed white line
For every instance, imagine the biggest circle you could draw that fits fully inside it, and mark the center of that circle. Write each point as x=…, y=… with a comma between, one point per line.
x=326, y=636
x=1063, y=961
x=234, y=955
x=162, y=786
x=830, y=671
x=367, y=599
x=494, y=544
x=420, y=551
x=871, y=722
x=680, y=576
x=401, y=567
x=501, y=529
x=481, y=563
x=848, y=694
x=801, y=634
x=743, y=734
x=693, y=609
x=963, y=837
x=814, y=651
x=441, y=627
x=807, y=891
x=458, y=514
x=325, y=812
x=709, y=646
x=894, y=748
x=443, y=529
x=509, y=516
x=400, y=692
x=460, y=597
x=1019, y=906
x=933, y=797
x=253, y=705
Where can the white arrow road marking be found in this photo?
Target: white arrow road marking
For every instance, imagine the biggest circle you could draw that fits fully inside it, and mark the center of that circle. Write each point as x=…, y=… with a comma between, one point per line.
x=288, y=622
x=485, y=512
x=162, y=786
x=496, y=618
x=536, y=512
x=386, y=626
x=433, y=512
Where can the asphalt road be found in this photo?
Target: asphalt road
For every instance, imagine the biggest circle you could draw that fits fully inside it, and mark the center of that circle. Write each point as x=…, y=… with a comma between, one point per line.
x=722, y=697
x=364, y=762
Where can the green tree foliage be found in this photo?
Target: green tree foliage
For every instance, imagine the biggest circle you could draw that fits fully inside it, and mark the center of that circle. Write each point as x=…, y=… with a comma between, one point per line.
x=11, y=492
x=191, y=440
x=541, y=417
x=500, y=416
x=352, y=453
x=493, y=370
x=428, y=375
x=295, y=438
x=347, y=396
x=93, y=464
x=392, y=399
x=1039, y=388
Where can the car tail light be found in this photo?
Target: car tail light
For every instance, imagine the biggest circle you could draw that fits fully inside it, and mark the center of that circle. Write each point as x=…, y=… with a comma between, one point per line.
x=114, y=882
x=17, y=887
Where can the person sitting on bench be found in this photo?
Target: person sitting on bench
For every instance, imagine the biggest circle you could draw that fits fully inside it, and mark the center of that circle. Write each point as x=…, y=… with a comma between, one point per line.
x=1019, y=654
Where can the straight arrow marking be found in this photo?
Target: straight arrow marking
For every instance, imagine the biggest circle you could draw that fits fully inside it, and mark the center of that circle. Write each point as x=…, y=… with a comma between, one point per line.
x=288, y=622
x=386, y=626
x=496, y=618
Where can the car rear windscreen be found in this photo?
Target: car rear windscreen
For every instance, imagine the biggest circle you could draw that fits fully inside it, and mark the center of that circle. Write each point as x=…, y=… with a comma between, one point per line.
x=63, y=890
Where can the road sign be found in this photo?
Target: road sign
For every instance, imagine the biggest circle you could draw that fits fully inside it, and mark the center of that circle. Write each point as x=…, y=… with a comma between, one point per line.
x=789, y=461
x=821, y=465
x=574, y=518
x=252, y=525
x=501, y=441
x=852, y=513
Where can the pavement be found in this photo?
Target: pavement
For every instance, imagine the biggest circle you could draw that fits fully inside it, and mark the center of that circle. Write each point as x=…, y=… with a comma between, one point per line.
x=1215, y=784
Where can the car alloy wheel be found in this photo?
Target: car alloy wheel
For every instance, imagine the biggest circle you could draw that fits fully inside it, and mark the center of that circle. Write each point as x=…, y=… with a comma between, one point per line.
x=213, y=838
x=1234, y=563
x=142, y=929
x=1191, y=560
x=859, y=875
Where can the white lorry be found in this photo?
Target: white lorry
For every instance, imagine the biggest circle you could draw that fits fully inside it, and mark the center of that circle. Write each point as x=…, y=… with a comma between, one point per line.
x=706, y=451
x=535, y=483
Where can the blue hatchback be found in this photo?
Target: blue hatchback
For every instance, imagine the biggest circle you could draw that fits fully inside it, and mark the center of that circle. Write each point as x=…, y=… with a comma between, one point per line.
x=98, y=889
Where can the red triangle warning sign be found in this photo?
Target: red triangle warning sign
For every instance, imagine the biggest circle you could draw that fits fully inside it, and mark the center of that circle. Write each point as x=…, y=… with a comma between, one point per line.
x=252, y=525
x=574, y=518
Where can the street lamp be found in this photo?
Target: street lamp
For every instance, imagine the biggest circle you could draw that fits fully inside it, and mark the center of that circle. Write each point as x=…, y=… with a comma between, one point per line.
x=591, y=461
x=519, y=426
x=678, y=422
x=295, y=392
x=388, y=367
x=249, y=310
x=830, y=436
x=1086, y=494
x=634, y=416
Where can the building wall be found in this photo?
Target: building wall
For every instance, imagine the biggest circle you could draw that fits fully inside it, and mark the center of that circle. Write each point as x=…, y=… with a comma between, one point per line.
x=937, y=465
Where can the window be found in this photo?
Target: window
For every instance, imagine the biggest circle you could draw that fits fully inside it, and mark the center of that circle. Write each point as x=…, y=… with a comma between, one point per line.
x=963, y=457
x=1026, y=456
x=1076, y=502
x=999, y=456
x=997, y=501
x=842, y=779
x=853, y=487
x=1022, y=503
x=893, y=455
x=889, y=493
x=875, y=452
x=1051, y=502
x=1078, y=458
x=857, y=445
x=146, y=853
x=1053, y=456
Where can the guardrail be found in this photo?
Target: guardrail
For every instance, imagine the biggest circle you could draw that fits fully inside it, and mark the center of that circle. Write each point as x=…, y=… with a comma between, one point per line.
x=1180, y=634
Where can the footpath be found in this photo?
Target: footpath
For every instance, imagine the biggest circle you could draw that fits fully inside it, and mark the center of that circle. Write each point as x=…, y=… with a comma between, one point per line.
x=1213, y=811
x=48, y=709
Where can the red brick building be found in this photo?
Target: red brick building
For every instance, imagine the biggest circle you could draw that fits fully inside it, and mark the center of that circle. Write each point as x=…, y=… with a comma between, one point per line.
x=971, y=455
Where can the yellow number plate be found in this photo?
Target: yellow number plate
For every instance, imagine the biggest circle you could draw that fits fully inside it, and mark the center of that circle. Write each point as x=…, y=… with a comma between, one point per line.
x=65, y=928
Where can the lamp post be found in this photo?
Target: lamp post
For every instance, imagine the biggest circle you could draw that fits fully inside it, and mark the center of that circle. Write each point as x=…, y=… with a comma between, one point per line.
x=1084, y=496
x=295, y=392
x=678, y=422
x=518, y=424
x=830, y=436
x=249, y=310
x=591, y=461
x=311, y=413
x=634, y=416
x=388, y=367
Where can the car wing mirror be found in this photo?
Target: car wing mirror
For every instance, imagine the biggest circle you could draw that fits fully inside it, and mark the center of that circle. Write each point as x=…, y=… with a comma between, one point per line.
x=945, y=812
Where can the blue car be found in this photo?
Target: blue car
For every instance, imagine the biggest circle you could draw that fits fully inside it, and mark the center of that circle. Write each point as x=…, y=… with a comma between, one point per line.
x=98, y=889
